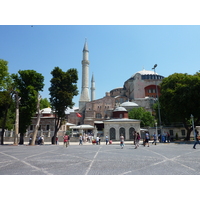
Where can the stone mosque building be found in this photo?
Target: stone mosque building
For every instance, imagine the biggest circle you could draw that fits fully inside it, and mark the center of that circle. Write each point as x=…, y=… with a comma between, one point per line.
x=109, y=114
x=138, y=91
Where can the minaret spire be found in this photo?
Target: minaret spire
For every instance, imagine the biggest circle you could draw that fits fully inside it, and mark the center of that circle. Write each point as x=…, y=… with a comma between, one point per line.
x=92, y=88
x=85, y=78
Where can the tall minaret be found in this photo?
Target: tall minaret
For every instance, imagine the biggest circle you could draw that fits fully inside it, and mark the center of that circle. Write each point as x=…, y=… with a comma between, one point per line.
x=92, y=88
x=85, y=78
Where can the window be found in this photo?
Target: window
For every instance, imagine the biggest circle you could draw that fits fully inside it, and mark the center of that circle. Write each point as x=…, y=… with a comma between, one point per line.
x=48, y=127
x=171, y=132
x=183, y=132
x=122, y=132
x=31, y=127
x=131, y=132
x=98, y=115
x=112, y=134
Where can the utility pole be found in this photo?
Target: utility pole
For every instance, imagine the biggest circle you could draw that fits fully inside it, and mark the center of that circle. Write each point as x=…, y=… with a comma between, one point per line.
x=159, y=116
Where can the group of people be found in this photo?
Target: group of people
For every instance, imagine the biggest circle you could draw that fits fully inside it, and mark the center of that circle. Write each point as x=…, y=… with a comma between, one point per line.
x=39, y=140
x=136, y=140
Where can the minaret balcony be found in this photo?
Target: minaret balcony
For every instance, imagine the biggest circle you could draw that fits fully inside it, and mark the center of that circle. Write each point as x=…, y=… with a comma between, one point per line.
x=85, y=62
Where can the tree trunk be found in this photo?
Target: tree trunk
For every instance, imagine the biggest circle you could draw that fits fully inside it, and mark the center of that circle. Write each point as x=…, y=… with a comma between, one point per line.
x=3, y=126
x=37, y=123
x=21, y=139
x=187, y=138
x=57, y=127
x=2, y=133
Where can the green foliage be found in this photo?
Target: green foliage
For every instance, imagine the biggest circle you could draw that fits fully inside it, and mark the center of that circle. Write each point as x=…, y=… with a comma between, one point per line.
x=28, y=83
x=180, y=98
x=145, y=116
x=63, y=89
x=4, y=75
x=44, y=103
x=6, y=110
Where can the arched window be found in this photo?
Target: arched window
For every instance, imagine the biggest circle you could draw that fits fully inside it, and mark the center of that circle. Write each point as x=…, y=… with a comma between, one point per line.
x=122, y=131
x=112, y=134
x=131, y=132
x=98, y=116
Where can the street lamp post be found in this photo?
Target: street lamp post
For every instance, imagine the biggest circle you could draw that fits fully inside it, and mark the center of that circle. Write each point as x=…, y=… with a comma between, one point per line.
x=156, y=129
x=192, y=117
x=159, y=116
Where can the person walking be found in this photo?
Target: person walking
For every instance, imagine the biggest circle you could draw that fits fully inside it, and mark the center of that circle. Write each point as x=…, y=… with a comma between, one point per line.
x=80, y=140
x=134, y=137
x=168, y=137
x=122, y=141
x=137, y=140
x=197, y=139
x=97, y=140
x=146, y=139
x=106, y=139
x=154, y=138
x=65, y=140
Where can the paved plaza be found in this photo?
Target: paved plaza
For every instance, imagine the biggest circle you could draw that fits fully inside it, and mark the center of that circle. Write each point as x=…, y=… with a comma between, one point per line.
x=160, y=159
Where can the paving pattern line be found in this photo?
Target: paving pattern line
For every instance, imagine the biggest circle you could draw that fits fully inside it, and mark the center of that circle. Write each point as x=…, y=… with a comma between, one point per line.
x=160, y=162
x=172, y=159
x=28, y=164
x=87, y=171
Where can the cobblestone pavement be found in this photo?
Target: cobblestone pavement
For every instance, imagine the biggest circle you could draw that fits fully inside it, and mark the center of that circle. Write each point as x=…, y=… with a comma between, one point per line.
x=160, y=159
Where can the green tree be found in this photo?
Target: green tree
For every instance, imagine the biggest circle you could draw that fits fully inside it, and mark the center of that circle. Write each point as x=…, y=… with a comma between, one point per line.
x=5, y=98
x=44, y=103
x=180, y=98
x=28, y=83
x=62, y=90
x=5, y=103
x=145, y=116
x=5, y=79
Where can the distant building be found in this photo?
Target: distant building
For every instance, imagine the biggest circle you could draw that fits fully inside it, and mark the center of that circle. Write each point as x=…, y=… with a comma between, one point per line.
x=121, y=125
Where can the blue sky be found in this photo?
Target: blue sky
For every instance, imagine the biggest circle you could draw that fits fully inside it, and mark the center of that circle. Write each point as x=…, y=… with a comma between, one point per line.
x=115, y=52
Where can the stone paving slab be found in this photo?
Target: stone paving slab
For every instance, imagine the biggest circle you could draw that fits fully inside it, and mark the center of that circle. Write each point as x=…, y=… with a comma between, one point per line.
x=160, y=159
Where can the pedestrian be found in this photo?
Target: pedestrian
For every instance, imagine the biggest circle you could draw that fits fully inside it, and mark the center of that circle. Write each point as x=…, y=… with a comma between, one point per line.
x=122, y=141
x=30, y=139
x=97, y=140
x=159, y=137
x=65, y=140
x=134, y=137
x=154, y=138
x=106, y=139
x=168, y=137
x=146, y=139
x=164, y=136
x=197, y=139
x=80, y=140
x=56, y=140
x=137, y=140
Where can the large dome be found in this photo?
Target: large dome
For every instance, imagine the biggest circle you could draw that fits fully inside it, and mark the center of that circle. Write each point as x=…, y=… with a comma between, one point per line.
x=129, y=104
x=145, y=72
